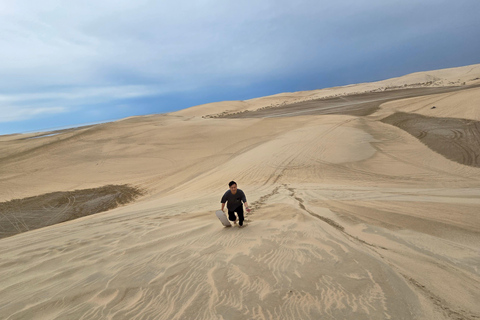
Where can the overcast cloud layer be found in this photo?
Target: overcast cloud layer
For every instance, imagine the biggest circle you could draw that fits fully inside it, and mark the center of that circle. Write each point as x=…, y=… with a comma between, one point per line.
x=72, y=62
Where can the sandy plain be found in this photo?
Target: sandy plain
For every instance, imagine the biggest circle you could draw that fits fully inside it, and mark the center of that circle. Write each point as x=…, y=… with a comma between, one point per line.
x=361, y=213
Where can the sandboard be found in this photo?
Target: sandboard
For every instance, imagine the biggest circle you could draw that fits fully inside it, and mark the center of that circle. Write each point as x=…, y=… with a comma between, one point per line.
x=223, y=218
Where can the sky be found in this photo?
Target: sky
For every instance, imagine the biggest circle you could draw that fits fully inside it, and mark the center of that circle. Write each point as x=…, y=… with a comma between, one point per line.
x=67, y=63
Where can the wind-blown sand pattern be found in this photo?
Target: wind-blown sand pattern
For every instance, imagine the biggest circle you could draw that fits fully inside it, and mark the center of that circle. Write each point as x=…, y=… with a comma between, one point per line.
x=354, y=216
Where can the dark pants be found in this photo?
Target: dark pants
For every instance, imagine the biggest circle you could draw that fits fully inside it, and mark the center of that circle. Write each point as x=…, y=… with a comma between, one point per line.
x=239, y=211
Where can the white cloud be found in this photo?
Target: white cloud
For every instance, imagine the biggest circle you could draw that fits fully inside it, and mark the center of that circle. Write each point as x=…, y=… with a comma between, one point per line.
x=24, y=106
x=10, y=114
x=83, y=93
x=60, y=43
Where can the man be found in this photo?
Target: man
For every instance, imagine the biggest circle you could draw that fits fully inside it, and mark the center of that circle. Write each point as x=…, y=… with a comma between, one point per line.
x=234, y=198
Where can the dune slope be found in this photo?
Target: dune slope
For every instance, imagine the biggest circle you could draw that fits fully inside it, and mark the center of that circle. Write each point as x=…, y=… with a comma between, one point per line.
x=353, y=218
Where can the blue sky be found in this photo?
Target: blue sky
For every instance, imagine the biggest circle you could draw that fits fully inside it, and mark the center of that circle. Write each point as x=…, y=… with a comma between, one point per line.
x=66, y=63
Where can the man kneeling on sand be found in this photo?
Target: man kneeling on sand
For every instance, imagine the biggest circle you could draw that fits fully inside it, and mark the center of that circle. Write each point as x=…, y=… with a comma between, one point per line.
x=234, y=198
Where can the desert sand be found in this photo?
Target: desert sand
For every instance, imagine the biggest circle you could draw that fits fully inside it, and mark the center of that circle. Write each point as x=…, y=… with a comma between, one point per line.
x=365, y=206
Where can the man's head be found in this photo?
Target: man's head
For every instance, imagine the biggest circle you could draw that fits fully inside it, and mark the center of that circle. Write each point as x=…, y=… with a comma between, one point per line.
x=233, y=187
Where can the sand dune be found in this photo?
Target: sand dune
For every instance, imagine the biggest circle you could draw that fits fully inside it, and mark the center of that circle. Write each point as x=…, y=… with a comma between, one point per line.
x=462, y=76
x=354, y=216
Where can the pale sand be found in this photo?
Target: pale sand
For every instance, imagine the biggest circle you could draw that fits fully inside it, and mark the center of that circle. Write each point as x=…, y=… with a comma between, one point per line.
x=353, y=218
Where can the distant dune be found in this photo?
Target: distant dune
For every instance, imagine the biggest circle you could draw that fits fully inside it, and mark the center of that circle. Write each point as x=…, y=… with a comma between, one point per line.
x=365, y=205
x=468, y=75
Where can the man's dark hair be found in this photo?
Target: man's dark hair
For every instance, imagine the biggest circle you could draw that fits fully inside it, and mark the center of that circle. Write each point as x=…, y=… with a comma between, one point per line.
x=231, y=183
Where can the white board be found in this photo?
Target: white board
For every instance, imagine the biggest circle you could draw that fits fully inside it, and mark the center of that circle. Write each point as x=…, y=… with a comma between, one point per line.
x=223, y=218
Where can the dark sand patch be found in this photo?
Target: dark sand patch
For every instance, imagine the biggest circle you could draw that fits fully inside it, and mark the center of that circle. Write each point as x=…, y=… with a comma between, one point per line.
x=455, y=139
x=20, y=215
x=356, y=104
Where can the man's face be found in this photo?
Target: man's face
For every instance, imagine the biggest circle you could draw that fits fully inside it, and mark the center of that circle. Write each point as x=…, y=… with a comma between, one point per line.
x=233, y=188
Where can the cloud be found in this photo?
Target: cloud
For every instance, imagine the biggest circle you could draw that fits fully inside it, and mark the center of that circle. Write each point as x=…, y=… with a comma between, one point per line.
x=182, y=43
x=82, y=93
x=10, y=114
x=24, y=106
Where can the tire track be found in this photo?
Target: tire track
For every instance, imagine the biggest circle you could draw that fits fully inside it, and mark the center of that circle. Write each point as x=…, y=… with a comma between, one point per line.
x=20, y=215
x=455, y=139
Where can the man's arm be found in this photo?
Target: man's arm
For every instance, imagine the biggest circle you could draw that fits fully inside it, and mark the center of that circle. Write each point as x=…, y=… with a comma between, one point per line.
x=245, y=202
x=224, y=199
